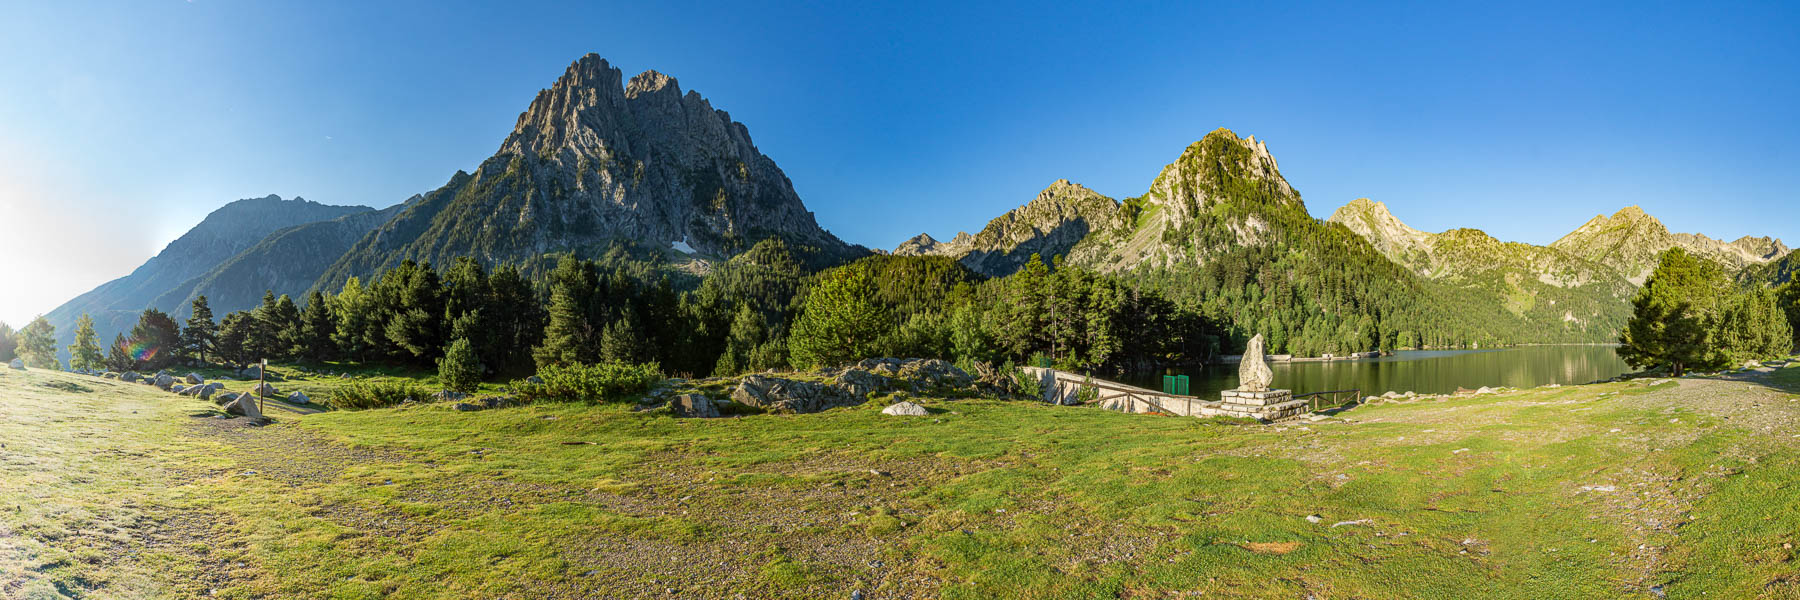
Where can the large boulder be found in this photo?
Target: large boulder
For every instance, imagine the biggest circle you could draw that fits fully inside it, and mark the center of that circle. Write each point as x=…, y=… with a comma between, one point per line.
x=178, y=388
x=163, y=380
x=693, y=406
x=264, y=389
x=934, y=373
x=776, y=394
x=253, y=372
x=244, y=406
x=298, y=397
x=227, y=398
x=194, y=378
x=129, y=377
x=17, y=363
x=905, y=409
x=110, y=375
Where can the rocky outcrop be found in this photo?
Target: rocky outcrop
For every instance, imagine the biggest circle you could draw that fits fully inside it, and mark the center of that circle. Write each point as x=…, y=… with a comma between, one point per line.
x=693, y=406
x=849, y=386
x=244, y=406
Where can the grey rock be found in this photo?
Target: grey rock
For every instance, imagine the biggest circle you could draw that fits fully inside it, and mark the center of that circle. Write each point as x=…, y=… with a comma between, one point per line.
x=17, y=364
x=163, y=380
x=178, y=388
x=495, y=401
x=905, y=409
x=264, y=389
x=298, y=397
x=244, y=406
x=1254, y=374
x=129, y=377
x=448, y=396
x=694, y=406
x=464, y=407
x=195, y=378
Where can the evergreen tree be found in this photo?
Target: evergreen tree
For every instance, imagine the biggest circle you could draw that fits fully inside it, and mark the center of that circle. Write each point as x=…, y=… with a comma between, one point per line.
x=317, y=329
x=37, y=344
x=262, y=332
x=284, y=322
x=235, y=344
x=85, y=352
x=159, y=337
x=516, y=319
x=1753, y=327
x=416, y=324
x=1671, y=315
x=350, y=315
x=460, y=369
x=620, y=342
x=201, y=333
x=118, y=356
x=571, y=336
x=9, y=343
x=841, y=321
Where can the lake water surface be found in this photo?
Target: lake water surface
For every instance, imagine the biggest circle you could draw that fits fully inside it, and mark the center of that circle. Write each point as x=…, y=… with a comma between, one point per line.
x=1422, y=371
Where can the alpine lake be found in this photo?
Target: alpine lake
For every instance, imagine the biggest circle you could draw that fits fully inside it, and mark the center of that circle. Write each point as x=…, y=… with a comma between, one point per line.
x=1421, y=371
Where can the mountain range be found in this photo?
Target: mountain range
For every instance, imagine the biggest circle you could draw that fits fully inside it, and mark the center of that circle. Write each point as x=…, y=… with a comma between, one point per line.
x=596, y=160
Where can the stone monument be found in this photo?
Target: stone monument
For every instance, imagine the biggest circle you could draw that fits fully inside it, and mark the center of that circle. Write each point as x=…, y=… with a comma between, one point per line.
x=1253, y=397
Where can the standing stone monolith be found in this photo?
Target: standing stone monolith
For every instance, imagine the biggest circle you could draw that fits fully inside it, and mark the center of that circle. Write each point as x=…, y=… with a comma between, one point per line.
x=1254, y=374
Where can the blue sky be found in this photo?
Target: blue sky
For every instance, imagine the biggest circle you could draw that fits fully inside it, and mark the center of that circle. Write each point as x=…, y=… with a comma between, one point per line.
x=122, y=124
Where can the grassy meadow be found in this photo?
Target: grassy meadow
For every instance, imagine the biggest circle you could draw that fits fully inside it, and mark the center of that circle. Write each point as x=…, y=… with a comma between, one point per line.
x=1650, y=488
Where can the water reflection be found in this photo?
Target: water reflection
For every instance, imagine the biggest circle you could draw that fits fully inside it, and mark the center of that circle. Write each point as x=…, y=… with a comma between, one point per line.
x=1425, y=372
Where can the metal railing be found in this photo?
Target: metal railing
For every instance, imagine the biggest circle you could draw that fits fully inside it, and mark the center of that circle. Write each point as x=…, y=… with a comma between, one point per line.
x=1317, y=401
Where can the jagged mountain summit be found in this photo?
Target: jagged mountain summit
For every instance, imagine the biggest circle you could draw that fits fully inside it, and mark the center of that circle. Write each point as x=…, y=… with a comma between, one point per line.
x=1050, y=225
x=224, y=233
x=595, y=160
x=1631, y=240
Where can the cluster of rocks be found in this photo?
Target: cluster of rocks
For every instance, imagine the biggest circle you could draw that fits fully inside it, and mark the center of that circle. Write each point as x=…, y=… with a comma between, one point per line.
x=850, y=386
x=483, y=403
x=821, y=390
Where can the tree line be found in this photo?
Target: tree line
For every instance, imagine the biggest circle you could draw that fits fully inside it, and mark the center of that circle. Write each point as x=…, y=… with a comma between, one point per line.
x=1689, y=316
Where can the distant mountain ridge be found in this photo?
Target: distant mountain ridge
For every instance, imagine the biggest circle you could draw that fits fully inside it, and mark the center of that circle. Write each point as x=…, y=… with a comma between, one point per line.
x=1631, y=240
x=1050, y=225
x=224, y=233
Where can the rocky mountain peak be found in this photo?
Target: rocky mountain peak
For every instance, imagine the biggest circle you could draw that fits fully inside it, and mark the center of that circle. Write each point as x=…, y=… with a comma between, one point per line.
x=1381, y=228
x=1222, y=163
x=596, y=160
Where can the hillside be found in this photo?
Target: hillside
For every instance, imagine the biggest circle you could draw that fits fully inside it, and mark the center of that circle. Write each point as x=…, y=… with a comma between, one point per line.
x=287, y=262
x=224, y=233
x=1538, y=283
x=1641, y=489
x=1050, y=225
x=595, y=160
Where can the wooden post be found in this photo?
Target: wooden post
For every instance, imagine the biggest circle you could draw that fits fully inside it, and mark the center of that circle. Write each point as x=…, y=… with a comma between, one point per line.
x=261, y=405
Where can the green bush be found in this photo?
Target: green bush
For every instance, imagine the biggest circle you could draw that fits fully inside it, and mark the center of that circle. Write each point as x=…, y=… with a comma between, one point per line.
x=589, y=383
x=460, y=369
x=375, y=394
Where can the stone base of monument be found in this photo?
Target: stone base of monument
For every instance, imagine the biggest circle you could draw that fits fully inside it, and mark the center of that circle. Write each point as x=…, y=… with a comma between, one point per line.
x=1266, y=405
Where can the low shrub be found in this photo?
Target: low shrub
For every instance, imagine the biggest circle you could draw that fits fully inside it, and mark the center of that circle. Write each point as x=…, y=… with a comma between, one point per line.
x=589, y=383
x=358, y=395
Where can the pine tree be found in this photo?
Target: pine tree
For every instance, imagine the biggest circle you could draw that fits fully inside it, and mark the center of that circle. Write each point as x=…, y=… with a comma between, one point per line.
x=620, y=342
x=9, y=343
x=118, y=356
x=350, y=314
x=159, y=336
x=85, y=352
x=460, y=369
x=235, y=344
x=570, y=336
x=37, y=344
x=841, y=321
x=1672, y=315
x=201, y=333
x=317, y=329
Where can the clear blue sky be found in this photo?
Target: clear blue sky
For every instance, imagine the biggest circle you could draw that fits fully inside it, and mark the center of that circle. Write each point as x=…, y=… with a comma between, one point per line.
x=124, y=123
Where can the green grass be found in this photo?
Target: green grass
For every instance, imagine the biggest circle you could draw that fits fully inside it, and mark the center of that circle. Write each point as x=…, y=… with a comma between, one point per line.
x=1470, y=497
